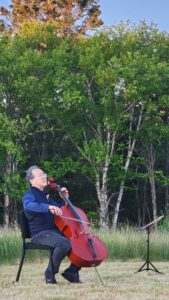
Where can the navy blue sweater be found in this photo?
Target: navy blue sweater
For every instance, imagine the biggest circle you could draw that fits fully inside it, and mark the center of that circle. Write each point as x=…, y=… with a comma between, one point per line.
x=36, y=208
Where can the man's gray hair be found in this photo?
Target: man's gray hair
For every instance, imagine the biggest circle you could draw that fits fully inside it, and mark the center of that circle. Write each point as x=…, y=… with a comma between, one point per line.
x=29, y=174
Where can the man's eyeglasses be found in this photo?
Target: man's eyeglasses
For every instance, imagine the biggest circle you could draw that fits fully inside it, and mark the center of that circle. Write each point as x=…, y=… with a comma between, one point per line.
x=41, y=175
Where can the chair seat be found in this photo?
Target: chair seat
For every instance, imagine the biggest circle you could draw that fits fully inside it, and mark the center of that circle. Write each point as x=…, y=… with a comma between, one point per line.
x=29, y=245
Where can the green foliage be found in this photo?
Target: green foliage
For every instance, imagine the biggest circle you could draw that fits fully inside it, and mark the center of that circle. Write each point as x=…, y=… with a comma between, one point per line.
x=12, y=153
x=73, y=106
x=164, y=224
x=59, y=167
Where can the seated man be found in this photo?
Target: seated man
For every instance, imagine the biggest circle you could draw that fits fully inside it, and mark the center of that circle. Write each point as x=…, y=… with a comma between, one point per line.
x=39, y=210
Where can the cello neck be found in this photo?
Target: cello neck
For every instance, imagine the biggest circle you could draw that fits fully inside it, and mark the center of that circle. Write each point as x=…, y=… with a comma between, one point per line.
x=54, y=185
x=68, y=202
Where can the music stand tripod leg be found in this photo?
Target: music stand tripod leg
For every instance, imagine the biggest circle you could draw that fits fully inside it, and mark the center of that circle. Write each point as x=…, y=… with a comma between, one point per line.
x=148, y=262
x=154, y=268
x=148, y=253
x=141, y=269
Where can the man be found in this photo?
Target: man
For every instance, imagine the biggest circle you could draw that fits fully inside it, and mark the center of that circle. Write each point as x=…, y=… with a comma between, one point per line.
x=39, y=210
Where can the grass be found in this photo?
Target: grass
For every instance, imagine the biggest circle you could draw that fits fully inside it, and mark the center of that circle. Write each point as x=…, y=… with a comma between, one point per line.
x=129, y=243
x=121, y=282
x=124, y=244
x=10, y=245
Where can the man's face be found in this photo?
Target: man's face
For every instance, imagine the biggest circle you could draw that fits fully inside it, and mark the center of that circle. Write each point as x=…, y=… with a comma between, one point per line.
x=39, y=179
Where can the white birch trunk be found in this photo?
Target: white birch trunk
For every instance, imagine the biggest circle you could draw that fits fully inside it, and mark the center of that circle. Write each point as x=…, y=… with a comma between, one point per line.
x=6, y=210
x=104, y=202
x=10, y=168
x=153, y=196
x=128, y=159
x=150, y=167
x=101, y=180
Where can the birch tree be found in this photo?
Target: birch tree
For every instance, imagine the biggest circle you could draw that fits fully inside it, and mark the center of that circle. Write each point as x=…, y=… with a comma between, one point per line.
x=100, y=95
x=106, y=96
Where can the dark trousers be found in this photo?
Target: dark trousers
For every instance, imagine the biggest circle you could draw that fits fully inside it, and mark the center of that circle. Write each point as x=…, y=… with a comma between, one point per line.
x=61, y=245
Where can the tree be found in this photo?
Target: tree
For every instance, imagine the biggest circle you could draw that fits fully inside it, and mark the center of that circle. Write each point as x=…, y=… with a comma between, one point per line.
x=11, y=153
x=106, y=96
x=20, y=70
x=69, y=17
x=86, y=106
x=99, y=105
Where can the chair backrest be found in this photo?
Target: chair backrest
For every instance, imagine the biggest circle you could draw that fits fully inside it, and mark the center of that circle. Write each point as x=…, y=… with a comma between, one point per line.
x=23, y=222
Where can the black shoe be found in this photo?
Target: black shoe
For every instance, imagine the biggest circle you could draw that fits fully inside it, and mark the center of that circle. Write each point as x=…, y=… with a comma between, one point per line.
x=49, y=277
x=72, y=277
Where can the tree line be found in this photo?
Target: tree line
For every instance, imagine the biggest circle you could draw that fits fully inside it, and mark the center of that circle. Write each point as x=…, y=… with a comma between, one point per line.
x=92, y=111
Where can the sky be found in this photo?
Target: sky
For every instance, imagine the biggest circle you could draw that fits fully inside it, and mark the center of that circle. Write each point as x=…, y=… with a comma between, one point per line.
x=115, y=11
x=151, y=11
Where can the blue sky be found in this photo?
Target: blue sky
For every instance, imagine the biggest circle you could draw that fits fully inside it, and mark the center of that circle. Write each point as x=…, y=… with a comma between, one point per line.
x=156, y=11
x=114, y=11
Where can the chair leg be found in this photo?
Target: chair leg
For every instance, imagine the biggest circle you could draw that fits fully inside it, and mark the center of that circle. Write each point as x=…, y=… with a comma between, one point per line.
x=20, y=265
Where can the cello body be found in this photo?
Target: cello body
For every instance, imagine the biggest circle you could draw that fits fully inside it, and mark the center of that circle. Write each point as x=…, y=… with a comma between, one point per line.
x=81, y=253
x=87, y=250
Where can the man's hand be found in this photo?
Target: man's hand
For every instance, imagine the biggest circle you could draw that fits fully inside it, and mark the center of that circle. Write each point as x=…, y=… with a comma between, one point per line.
x=64, y=192
x=55, y=210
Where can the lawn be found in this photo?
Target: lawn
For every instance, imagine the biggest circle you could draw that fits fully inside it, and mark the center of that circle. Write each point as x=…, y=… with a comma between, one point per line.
x=120, y=281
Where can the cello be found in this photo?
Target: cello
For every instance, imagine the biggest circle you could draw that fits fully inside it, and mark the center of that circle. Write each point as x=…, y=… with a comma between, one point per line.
x=87, y=250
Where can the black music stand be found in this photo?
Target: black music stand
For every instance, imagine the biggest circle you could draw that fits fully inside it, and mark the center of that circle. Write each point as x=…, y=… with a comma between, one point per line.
x=148, y=262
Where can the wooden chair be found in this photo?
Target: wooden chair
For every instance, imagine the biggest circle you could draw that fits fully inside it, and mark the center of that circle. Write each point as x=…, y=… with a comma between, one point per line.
x=26, y=242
